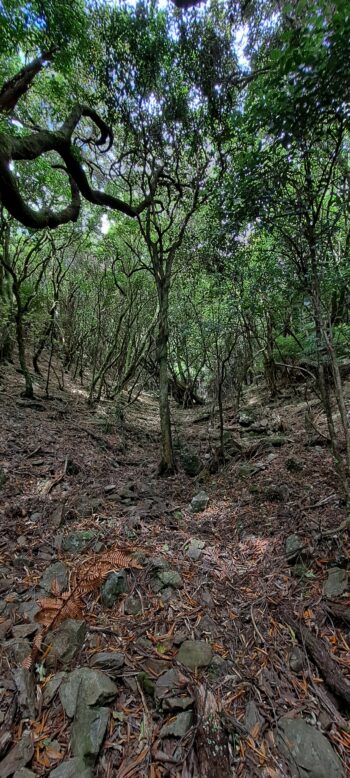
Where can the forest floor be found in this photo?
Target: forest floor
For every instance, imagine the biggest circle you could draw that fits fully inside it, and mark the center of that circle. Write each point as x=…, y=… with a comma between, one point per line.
x=80, y=486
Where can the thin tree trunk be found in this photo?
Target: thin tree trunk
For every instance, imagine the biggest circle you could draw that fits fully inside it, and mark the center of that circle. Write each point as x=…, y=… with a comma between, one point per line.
x=22, y=356
x=167, y=464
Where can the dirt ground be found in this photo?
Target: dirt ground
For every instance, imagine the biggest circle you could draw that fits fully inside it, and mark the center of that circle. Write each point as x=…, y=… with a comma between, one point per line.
x=69, y=468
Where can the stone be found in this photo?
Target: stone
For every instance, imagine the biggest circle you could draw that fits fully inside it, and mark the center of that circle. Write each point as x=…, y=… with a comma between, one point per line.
x=219, y=667
x=18, y=757
x=191, y=463
x=170, y=578
x=26, y=688
x=19, y=648
x=195, y=549
x=113, y=586
x=296, y=660
x=294, y=547
x=277, y=441
x=73, y=768
x=55, y=575
x=294, y=465
x=3, y=478
x=86, y=686
x=29, y=609
x=199, y=502
x=66, y=642
x=24, y=630
x=177, y=726
x=77, y=541
x=109, y=661
x=253, y=719
x=110, y=488
x=24, y=773
x=52, y=687
x=307, y=750
x=88, y=731
x=244, y=419
x=277, y=492
x=170, y=681
x=195, y=653
x=337, y=582
x=177, y=703
x=133, y=605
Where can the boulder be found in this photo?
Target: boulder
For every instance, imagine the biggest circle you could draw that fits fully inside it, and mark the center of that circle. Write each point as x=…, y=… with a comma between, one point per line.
x=337, y=582
x=88, y=687
x=55, y=575
x=24, y=773
x=65, y=642
x=199, y=502
x=308, y=752
x=113, y=586
x=245, y=419
x=177, y=726
x=195, y=653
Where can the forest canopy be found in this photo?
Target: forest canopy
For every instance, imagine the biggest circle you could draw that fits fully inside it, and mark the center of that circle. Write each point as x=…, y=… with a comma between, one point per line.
x=174, y=188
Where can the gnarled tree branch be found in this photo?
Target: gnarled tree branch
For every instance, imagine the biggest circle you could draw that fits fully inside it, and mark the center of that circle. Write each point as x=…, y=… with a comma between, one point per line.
x=34, y=145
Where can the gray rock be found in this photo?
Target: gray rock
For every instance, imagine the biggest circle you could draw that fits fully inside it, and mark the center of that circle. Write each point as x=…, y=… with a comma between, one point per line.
x=133, y=605
x=18, y=757
x=109, y=661
x=195, y=653
x=88, y=731
x=56, y=574
x=219, y=667
x=24, y=630
x=86, y=686
x=170, y=578
x=26, y=688
x=294, y=465
x=277, y=492
x=77, y=541
x=253, y=720
x=308, y=752
x=170, y=681
x=296, y=660
x=245, y=419
x=337, y=582
x=73, y=768
x=24, y=773
x=195, y=549
x=18, y=648
x=177, y=703
x=199, y=502
x=278, y=441
x=113, y=586
x=66, y=642
x=294, y=547
x=177, y=726
x=191, y=463
x=52, y=687
x=29, y=609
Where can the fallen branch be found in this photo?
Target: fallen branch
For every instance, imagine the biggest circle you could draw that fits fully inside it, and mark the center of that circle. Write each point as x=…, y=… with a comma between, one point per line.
x=328, y=667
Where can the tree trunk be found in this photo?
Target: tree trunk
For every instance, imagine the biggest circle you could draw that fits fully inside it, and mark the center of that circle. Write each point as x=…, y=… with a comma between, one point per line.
x=167, y=464
x=28, y=392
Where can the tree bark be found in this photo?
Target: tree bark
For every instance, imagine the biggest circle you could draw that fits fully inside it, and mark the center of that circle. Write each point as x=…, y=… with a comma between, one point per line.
x=167, y=464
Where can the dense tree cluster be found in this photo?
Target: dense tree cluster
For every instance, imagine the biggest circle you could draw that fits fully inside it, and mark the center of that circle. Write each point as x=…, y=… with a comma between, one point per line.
x=234, y=166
